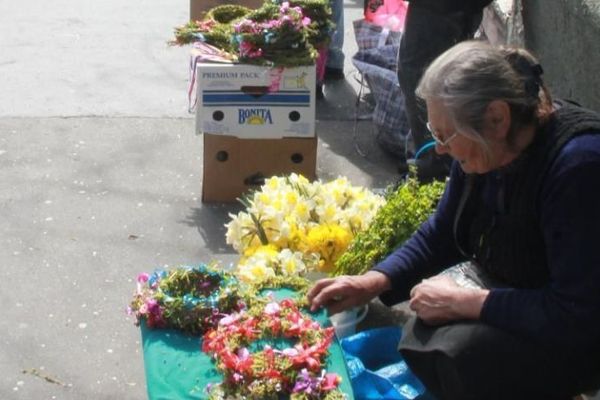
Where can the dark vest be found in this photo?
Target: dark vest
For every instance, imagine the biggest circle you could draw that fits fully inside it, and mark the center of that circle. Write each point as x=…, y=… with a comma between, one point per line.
x=506, y=241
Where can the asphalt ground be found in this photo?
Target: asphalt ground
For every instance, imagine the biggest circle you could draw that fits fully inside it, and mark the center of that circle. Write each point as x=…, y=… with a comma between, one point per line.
x=100, y=175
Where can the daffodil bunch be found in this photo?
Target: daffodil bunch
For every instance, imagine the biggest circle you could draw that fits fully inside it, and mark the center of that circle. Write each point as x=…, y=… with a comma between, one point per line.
x=291, y=222
x=267, y=262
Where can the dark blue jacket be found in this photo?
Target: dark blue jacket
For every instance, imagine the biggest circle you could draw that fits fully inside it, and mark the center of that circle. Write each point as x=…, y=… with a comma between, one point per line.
x=565, y=311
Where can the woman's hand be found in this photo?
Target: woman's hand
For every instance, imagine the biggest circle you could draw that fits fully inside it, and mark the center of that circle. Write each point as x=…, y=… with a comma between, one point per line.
x=344, y=292
x=439, y=300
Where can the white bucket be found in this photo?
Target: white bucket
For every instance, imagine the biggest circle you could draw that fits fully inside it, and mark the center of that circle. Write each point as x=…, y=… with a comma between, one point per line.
x=346, y=321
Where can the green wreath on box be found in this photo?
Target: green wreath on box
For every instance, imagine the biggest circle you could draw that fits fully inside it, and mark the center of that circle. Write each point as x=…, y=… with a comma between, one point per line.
x=319, y=31
x=227, y=13
x=216, y=28
x=285, y=34
x=406, y=208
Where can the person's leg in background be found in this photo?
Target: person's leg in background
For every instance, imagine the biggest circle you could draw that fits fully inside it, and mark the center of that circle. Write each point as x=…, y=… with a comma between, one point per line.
x=426, y=35
x=334, y=69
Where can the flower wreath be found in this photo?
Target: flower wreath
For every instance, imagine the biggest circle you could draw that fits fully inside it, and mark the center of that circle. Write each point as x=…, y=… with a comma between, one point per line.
x=278, y=370
x=191, y=299
x=277, y=34
x=298, y=284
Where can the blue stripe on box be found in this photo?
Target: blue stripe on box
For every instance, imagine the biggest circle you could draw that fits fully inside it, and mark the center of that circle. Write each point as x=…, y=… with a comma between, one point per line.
x=256, y=104
x=237, y=98
x=267, y=92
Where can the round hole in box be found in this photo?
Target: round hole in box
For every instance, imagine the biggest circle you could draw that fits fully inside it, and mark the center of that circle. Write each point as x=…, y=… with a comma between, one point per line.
x=222, y=156
x=218, y=115
x=294, y=116
x=297, y=158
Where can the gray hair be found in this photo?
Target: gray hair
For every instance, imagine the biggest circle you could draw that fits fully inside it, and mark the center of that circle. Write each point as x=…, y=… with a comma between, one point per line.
x=470, y=75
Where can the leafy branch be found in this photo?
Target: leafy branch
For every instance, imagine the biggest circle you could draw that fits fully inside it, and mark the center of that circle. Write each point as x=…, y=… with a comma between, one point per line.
x=406, y=208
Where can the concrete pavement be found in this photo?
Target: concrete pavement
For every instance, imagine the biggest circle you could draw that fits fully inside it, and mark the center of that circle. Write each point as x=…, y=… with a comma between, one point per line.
x=101, y=179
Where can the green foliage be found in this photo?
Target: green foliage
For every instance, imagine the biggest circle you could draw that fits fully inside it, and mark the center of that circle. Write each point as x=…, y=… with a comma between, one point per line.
x=406, y=208
x=266, y=12
x=287, y=47
x=320, y=30
x=319, y=12
x=215, y=34
x=227, y=13
x=332, y=395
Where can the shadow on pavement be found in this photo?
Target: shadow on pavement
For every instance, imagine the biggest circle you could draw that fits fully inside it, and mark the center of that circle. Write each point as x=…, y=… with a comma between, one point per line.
x=210, y=220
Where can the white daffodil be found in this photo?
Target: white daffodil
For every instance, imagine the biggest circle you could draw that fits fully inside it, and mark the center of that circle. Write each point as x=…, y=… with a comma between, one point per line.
x=256, y=269
x=298, y=180
x=273, y=184
x=327, y=212
x=291, y=263
x=233, y=236
x=302, y=211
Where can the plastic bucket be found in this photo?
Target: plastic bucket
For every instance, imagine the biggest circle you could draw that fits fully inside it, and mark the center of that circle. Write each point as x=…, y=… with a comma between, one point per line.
x=346, y=321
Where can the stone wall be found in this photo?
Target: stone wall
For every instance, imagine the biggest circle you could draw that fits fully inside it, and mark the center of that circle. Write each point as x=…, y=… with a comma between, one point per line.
x=565, y=35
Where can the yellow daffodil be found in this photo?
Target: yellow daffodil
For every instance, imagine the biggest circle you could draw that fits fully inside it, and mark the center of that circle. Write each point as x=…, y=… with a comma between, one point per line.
x=329, y=241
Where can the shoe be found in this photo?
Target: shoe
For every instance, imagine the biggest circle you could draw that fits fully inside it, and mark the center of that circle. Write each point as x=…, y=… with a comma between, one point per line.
x=334, y=74
x=319, y=91
x=391, y=144
x=369, y=98
x=402, y=167
x=432, y=166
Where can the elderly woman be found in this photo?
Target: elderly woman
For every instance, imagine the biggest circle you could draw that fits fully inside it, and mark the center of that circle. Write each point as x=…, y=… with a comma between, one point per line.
x=519, y=317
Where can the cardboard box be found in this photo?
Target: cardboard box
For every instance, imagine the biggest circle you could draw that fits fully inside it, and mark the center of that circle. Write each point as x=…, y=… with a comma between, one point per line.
x=233, y=166
x=199, y=7
x=254, y=102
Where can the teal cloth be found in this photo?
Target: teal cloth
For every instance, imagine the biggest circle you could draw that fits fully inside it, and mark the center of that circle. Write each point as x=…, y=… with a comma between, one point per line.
x=176, y=368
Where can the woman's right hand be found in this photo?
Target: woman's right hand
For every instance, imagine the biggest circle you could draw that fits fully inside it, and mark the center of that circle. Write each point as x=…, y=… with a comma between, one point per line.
x=344, y=292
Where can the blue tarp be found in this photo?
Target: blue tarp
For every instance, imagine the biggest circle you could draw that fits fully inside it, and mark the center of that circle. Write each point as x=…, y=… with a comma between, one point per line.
x=176, y=368
x=376, y=368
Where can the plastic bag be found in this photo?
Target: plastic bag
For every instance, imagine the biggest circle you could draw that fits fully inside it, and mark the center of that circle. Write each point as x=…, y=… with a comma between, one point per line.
x=389, y=14
x=376, y=368
x=376, y=60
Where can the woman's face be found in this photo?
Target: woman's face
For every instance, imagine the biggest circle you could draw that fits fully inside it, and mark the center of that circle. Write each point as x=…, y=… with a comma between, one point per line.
x=469, y=153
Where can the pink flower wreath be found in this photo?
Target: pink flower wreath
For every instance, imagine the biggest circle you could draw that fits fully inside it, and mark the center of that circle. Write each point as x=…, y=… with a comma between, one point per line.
x=295, y=371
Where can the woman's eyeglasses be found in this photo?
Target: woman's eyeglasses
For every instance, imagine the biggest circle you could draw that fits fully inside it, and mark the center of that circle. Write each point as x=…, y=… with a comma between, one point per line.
x=438, y=140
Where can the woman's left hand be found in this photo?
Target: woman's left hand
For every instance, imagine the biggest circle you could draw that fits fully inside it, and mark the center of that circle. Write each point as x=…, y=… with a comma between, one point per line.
x=439, y=300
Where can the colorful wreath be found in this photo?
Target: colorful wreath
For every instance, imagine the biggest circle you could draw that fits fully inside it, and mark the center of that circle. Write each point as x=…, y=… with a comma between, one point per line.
x=191, y=299
x=277, y=368
x=284, y=34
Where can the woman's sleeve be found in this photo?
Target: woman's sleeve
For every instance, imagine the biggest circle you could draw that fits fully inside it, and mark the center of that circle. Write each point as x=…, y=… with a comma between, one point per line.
x=566, y=312
x=429, y=250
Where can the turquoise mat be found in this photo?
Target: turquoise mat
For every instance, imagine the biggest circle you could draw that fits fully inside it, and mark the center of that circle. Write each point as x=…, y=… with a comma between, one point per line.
x=176, y=369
